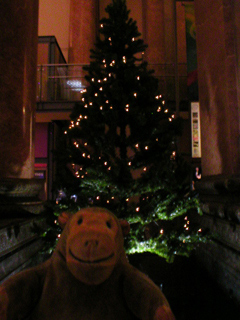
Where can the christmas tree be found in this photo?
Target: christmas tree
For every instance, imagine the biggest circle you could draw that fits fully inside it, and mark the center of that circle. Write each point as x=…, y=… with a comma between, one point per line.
x=122, y=144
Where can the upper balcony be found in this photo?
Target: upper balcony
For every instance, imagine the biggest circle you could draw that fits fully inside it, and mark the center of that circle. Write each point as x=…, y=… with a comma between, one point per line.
x=59, y=86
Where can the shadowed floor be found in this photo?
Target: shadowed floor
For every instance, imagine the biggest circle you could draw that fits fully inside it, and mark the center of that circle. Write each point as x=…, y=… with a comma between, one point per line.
x=191, y=292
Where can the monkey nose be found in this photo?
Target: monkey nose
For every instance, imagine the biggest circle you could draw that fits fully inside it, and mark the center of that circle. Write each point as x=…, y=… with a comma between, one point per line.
x=91, y=243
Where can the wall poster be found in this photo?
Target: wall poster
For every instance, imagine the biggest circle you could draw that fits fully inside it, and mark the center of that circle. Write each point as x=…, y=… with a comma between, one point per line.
x=196, y=130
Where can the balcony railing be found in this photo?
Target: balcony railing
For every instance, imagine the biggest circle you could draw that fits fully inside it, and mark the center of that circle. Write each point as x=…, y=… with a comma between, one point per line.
x=64, y=82
x=60, y=82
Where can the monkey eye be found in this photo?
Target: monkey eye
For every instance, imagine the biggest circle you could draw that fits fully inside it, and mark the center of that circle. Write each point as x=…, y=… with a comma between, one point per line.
x=80, y=220
x=109, y=225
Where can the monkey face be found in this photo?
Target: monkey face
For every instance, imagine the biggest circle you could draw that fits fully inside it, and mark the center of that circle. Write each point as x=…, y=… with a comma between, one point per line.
x=92, y=246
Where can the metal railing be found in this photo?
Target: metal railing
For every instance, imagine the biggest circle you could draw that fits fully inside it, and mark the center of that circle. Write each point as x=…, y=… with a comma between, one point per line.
x=64, y=82
x=60, y=82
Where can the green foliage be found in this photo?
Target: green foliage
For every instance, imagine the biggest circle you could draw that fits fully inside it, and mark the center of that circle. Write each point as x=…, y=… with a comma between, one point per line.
x=121, y=150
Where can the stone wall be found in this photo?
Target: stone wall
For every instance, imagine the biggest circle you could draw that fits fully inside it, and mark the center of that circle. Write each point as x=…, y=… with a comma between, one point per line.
x=221, y=215
x=19, y=245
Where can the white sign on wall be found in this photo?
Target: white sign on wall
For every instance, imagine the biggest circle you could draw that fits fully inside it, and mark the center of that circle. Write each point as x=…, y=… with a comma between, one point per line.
x=196, y=130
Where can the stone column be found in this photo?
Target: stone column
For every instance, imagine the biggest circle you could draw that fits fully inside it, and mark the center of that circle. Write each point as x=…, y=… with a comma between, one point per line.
x=83, y=29
x=153, y=31
x=217, y=78
x=18, y=67
x=217, y=30
x=18, y=61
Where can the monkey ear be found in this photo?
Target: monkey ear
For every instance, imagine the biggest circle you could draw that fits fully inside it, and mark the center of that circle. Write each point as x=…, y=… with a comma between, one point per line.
x=63, y=219
x=125, y=227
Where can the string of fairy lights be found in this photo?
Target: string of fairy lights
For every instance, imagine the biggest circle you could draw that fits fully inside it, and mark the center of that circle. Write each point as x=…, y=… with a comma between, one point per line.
x=79, y=170
x=100, y=84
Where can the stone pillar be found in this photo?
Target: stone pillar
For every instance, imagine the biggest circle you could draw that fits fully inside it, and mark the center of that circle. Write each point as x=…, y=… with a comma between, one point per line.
x=217, y=31
x=18, y=67
x=153, y=31
x=18, y=61
x=83, y=29
x=217, y=78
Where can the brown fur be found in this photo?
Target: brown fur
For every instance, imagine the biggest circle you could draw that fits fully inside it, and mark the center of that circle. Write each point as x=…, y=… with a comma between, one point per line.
x=87, y=278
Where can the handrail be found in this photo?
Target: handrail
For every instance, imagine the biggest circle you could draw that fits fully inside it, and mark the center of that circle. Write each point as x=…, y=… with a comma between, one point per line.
x=64, y=82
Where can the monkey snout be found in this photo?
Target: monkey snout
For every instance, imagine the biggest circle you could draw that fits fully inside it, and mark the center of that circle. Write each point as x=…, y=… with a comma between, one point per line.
x=91, y=243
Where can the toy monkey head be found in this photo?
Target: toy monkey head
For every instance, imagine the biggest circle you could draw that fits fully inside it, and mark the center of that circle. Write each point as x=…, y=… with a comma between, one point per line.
x=92, y=243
